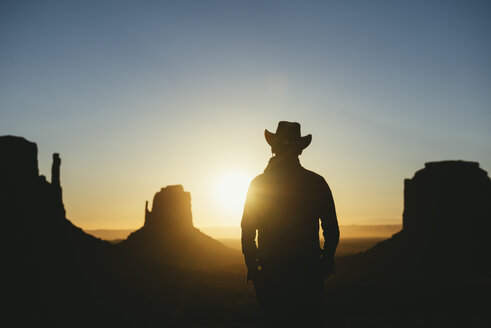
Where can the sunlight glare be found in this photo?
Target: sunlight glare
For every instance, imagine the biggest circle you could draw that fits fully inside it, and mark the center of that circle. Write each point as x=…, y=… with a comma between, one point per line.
x=230, y=192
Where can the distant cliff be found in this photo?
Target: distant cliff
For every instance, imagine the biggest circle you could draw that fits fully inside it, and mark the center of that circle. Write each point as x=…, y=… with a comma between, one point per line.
x=446, y=224
x=448, y=206
x=169, y=236
x=45, y=258
x=32, y=208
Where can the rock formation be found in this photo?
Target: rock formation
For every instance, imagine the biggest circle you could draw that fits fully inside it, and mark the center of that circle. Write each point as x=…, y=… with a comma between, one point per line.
x=32, y=206
x=448, y=205
x=171, y=209
x=43, y=252
x=446, y=222
x=169, y=236
x=20, y=160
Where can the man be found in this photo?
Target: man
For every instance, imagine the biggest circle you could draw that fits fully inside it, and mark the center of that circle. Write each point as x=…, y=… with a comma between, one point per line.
x=284, y=205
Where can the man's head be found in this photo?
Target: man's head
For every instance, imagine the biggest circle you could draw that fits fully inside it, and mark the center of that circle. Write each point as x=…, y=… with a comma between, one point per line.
x=287, y=139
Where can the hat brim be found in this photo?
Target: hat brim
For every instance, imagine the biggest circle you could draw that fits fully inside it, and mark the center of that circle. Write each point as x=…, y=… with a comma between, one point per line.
x=271, y=138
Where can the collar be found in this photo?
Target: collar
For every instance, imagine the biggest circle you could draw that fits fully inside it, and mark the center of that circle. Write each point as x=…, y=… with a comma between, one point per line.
x=282, y=163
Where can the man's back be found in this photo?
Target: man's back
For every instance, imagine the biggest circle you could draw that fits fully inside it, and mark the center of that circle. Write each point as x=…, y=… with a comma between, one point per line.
x=284, y=204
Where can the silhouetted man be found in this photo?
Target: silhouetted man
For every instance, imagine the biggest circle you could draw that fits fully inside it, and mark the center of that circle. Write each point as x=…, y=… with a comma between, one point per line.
x=284, y=205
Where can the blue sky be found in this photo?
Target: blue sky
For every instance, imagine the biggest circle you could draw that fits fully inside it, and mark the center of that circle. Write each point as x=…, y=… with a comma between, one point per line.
x=136, y=95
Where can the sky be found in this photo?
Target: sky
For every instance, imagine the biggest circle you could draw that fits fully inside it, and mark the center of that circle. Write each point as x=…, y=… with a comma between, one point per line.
x=137, y=95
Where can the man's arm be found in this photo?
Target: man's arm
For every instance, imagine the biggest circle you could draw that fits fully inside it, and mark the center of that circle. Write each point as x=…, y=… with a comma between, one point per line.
x=249, y=227
x=329, y=223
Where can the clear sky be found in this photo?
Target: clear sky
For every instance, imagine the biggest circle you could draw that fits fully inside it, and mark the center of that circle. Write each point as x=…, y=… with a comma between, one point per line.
x=136, y=95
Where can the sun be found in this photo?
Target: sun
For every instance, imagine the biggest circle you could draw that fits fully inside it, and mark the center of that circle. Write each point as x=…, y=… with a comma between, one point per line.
x=230, y=192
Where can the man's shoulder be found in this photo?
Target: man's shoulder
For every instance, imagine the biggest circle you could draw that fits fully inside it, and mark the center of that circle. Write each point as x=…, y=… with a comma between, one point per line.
x=314, y=176
x=257, y=179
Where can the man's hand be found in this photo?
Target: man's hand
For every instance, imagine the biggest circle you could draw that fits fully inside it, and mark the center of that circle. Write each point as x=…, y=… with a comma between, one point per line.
x=328, y=266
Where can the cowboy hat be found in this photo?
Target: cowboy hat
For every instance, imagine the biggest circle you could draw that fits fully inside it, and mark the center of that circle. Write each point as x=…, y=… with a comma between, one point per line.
x=287, y=133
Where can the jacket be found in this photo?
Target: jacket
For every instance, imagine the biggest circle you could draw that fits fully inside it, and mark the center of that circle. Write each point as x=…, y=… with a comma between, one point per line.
x=284, y=205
